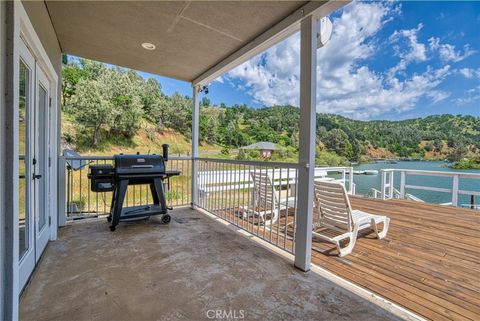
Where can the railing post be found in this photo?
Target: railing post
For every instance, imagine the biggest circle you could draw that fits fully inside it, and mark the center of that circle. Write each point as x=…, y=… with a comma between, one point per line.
x=383, y=183
x=61, y=201
x=350, y=181
x=306, y=154
x=455, y=191
x=402, y=185
x=390, y=185
x=195, y=138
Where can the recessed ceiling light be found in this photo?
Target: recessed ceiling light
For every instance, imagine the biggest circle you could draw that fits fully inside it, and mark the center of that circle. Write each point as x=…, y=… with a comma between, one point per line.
x=148, y=46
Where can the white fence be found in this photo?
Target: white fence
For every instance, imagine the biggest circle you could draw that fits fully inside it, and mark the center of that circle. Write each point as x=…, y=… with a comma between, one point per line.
x=388, y=191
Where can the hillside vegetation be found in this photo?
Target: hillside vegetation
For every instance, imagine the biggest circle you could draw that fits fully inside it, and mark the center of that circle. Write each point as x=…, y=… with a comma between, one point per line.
x=110, y=110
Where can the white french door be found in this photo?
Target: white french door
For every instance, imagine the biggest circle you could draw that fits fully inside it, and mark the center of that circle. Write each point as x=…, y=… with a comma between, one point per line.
x=34, y=147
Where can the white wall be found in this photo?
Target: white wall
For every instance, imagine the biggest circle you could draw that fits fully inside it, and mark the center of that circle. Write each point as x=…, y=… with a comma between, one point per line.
x=9, y=36
x=2, y=160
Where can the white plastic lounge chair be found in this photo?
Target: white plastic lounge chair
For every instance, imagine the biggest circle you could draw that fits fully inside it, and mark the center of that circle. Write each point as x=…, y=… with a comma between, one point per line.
x=265, y=200
x=337, y=221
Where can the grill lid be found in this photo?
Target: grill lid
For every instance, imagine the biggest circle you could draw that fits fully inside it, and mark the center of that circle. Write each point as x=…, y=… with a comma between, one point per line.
x=139, y=164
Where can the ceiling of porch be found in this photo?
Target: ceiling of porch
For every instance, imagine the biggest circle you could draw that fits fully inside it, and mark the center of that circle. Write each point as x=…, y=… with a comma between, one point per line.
x=190, y=36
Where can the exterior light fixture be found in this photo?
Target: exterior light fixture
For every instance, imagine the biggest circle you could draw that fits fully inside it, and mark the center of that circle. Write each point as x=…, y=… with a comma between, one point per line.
x=325, y=31
x=148, y=46
x=204, y=89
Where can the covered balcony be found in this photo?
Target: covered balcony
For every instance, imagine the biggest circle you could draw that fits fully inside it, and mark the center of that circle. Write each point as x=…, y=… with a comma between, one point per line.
x=219, y=257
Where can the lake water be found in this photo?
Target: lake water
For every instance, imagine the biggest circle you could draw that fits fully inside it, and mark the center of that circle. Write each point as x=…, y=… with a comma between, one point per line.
x=365, y=182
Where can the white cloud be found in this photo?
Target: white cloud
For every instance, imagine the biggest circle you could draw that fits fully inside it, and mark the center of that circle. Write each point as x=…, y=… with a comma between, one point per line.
x=345, y=84
x=447, y=52
x=438, y=95
x=273, y=77
x=416, y=51
x=469, y=96
x=469, y=73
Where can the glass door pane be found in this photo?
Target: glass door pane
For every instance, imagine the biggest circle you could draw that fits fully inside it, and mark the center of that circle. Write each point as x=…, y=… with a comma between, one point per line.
x=41, y=154
x=24, y=102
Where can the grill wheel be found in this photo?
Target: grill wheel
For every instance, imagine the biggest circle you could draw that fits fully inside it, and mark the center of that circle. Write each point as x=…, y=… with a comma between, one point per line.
x=166, y=219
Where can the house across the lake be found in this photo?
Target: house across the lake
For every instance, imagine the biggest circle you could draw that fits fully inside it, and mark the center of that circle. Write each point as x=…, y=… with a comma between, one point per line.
x=266, y=149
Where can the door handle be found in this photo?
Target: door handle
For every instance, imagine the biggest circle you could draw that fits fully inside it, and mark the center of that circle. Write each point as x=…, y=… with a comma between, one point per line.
x=37, y=176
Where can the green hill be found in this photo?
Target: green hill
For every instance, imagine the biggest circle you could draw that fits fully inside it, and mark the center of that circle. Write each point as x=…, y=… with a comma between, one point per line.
x=109, y=110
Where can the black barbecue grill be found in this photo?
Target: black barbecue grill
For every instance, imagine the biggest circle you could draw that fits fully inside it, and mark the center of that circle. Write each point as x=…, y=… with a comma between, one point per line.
x=133, y=170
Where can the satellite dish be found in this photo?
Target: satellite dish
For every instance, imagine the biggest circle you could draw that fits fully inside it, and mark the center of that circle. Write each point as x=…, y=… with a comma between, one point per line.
x=325, y=31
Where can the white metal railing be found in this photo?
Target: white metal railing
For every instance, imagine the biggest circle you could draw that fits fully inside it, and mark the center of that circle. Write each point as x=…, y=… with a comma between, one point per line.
x=234, y=179
x=77, y=201
x=375, y=193
x=388, y=191
x=227, y=189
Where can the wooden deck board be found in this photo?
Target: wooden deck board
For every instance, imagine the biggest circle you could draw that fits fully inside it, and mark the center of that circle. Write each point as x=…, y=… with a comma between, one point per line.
x=446, y=289
x=429, y=262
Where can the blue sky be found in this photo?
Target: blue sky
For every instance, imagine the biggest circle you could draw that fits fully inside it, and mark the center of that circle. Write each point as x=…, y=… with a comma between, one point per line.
x=392, y=60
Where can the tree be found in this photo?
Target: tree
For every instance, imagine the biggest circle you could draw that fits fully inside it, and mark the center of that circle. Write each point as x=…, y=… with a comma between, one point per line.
x=437, y=145
x=210, y=124
x=458, y=153
x=123, y=92
x=91, y=109
x=429, y=147
x=178, y=114
x=93, y=69
x=336, y=140
x=71, y=75
x=205, y=102
x=154, y=102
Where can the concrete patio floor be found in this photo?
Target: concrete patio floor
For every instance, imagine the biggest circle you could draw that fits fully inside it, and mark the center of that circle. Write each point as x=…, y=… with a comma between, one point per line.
x=186, y=270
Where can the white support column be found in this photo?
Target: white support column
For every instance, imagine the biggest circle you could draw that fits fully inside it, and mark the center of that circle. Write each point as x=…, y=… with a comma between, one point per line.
x=306, y=154
x=195, y=139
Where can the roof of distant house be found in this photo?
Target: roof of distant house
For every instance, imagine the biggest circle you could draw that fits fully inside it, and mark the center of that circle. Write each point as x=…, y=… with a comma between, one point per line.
x=261, y=145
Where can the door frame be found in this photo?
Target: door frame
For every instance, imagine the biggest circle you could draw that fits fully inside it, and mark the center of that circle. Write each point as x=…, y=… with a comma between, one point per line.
x=17, y=27
x=29, y=36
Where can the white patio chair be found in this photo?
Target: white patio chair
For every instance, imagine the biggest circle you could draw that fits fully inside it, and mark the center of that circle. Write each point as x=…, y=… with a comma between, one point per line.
x=337, y=221
x=265, y=200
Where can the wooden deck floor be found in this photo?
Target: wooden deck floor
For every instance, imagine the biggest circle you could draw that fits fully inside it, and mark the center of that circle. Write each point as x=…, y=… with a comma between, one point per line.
x=429, y=262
